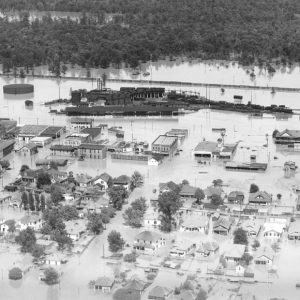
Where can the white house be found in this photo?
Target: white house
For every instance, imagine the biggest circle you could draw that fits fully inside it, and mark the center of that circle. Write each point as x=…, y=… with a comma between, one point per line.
x=155, y=161
x=75, y=229
x=264, y=256
x=152, y=219
x=235, y=253
x=148, y=242
x=102, y=180
x=4, y=227
x=55, y=259
x=273, y=230
x=33, y=221
x=104, y=284
x=195, y=223
x=182, y=248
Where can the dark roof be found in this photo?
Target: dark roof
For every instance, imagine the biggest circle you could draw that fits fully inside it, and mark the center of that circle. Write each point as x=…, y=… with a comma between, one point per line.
x=236, y=194
x=260, y=196
x=123, y=179
x=291, y=133
x=159, y=292
x=135, y=284
x=52, y=131
x=106, y=177
x=62, y=148
x=93, y=131
x=104, y=281
x=81, y=120
x=187, y=190
x=6, y=143
x=148, y=236
x=30, y=146
x=92, y=146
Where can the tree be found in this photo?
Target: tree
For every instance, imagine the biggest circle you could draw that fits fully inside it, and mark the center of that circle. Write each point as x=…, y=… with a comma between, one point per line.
x=126, y=294
x=43, y=201
x=202, y=294
x=37, y=251
x=51, y=276
x=31, y=201
x=53, y=221
x=4, y=164
x=11, y=225
x=95, y=223
x=240, y=237
x=24, y=168
x=115, y=241
x=117, y=196
x=43, y=179
x=15, y=274
x=56, y=194
x=133, y=217
x=37, y=202
x=25, y=200
x=184, y=181
x=69, y=212
x=139, y=204
x=246, y=258
x=199, y=195
x=106, y=214
x=256, y=244
x=274, y=134
x=62, y=239
x=217, y=182
x=168, y=204
x=254, y=188
x=136, y=180
x=216, y=200
x=26, y=239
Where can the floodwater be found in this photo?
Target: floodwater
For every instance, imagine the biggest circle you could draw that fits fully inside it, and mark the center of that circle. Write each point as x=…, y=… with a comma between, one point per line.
x=80, y=270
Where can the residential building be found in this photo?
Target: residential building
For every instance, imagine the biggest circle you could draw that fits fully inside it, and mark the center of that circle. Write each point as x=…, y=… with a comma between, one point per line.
x=104, y=284
x=213, y=190
x=55, y=259
x=273, y=230
x=294, y=231
x=92, y=150
x=5, y=225
x=30, y=148
x=155, y=160
x=33, y=221
x=195, y=223
x=57, y=176
x=83, y=180
x=165, y=145
x=182, y=248
x=159, y=293
x=236, y=197
x=222, y=226
x=103, y=181
x=206, y=249
x=152, y=219
x=251, y=227
x=6, y=147
x=78, y=124
x=76, y=139
x=234, y=253
x=289, y=139
x=75, y=229
x=260, y=198
x=148, y=242
x=264, y=256
x=122, y=181
x=135, y=284
x=187, y=191
x=167, y=187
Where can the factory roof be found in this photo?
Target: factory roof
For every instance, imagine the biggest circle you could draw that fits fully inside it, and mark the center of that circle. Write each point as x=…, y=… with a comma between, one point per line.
x=165, y=140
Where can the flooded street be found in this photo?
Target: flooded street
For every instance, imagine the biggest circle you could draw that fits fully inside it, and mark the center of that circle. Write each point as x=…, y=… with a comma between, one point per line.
x=239, y=128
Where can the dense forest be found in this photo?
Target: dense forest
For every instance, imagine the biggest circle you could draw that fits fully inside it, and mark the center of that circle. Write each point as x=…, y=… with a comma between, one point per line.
x=251, y=31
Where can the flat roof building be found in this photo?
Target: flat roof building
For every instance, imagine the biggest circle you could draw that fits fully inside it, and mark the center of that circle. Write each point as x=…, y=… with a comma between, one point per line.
x=165, y=145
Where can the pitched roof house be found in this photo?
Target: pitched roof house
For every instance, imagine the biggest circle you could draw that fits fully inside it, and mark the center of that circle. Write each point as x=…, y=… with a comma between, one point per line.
x=236, y=197
x=148, y=242
x=195, y=223
x=159, y=293
x=104, y=284
x=235, y=253
x=264, y=256
x=222, y=226
x=260, y=198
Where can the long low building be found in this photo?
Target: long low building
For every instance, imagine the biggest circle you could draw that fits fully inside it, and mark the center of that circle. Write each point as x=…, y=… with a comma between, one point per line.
x=254, y=167
x=165, y=145
x=92, y=150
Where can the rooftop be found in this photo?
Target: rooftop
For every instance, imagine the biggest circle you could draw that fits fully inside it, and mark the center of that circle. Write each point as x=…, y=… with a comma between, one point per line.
x=195, y=221
x=206, y=146
x=260, y=196
x=52, y=130
x=32, y=129
x=235, y=251
x=81, y=120
x=75, y=226
x=93, y=131
x=165, y=140
x=148, y=236
x=187, y=190
x=289, y=133
x=59, y=147
x=92, y=146
x=5, y=144
x=104, y=281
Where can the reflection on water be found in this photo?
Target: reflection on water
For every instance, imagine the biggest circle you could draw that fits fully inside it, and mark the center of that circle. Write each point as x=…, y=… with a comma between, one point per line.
x=18, y=96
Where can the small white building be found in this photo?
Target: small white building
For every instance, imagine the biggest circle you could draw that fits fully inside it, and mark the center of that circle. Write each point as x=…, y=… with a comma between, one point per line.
x=151, y=219
x=264, y=256
x=195, y=223
x=33, y=221
x=41, y=141
x=148, y=242
x=155, y=161
x=102, y=180
x=273, y=230
x=104, y=284
x=75, y=228
x=55, y=259
x=182, y=248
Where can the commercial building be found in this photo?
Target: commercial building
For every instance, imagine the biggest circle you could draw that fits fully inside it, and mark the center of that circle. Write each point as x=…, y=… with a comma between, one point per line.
x=165, y=145
x=92, y=150
x=78, y=124
x=41, y=141
x=63, y=150
x=76, y=139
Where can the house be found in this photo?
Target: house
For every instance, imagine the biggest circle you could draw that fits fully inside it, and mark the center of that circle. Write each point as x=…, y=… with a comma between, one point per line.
x=213, y=190
x=187, y=191
x=94, y=132
x=6, y=147
x=83, y=180
x=234, y=253
x=222, y=226
x=236, y=197
x=5, y=225
x=78, y=124
x=104, y=284
x=289, y=139
x=64, y=150
x=30, y=148
x=195, y=223
x=152, y=219
x=30, y=175
x=273, y=230
x=167, y=187
x=165, y=145
x=159, y=293
x=103, y=181
x=264, y=256
x=27, y=132
x=135, y=284
x=155, y=160
x=92, y=150
x=57, y=176
x=294, y=231
x=260, y=198
x=122, y=181
x=55, y=259
x=148, y=242
x=251, y=227
x=33, y=221
x=206, y=249
x=75, y=229
x=182, y=248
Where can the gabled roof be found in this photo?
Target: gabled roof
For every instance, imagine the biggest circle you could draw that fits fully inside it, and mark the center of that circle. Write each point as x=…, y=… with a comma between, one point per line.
x=206, y=146
x=223, y=222
x=92, y=131
x=211, y=246
x=236, y=251
x=148, y=236
x=236, y=194
x=159, y=292
x=260, y=196
x=104, y=281
x=135, y=284
x=187, y=190
x=29, y=219
x=83, y=178
x=291, y=133
x=264, y=252
x=30, y=146
x=6, y=143
x=272, y=226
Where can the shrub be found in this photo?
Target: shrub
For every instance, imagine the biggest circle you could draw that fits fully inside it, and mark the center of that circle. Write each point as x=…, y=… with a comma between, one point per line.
x=51, y=276
x=130, y=257
x=151, y=276
x=15, y=274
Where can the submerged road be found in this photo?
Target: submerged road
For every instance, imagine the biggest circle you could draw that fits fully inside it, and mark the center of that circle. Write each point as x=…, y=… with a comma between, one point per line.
x=174, y=83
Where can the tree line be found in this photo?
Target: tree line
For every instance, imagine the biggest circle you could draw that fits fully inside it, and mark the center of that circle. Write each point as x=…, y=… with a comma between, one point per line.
x=251, y=31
